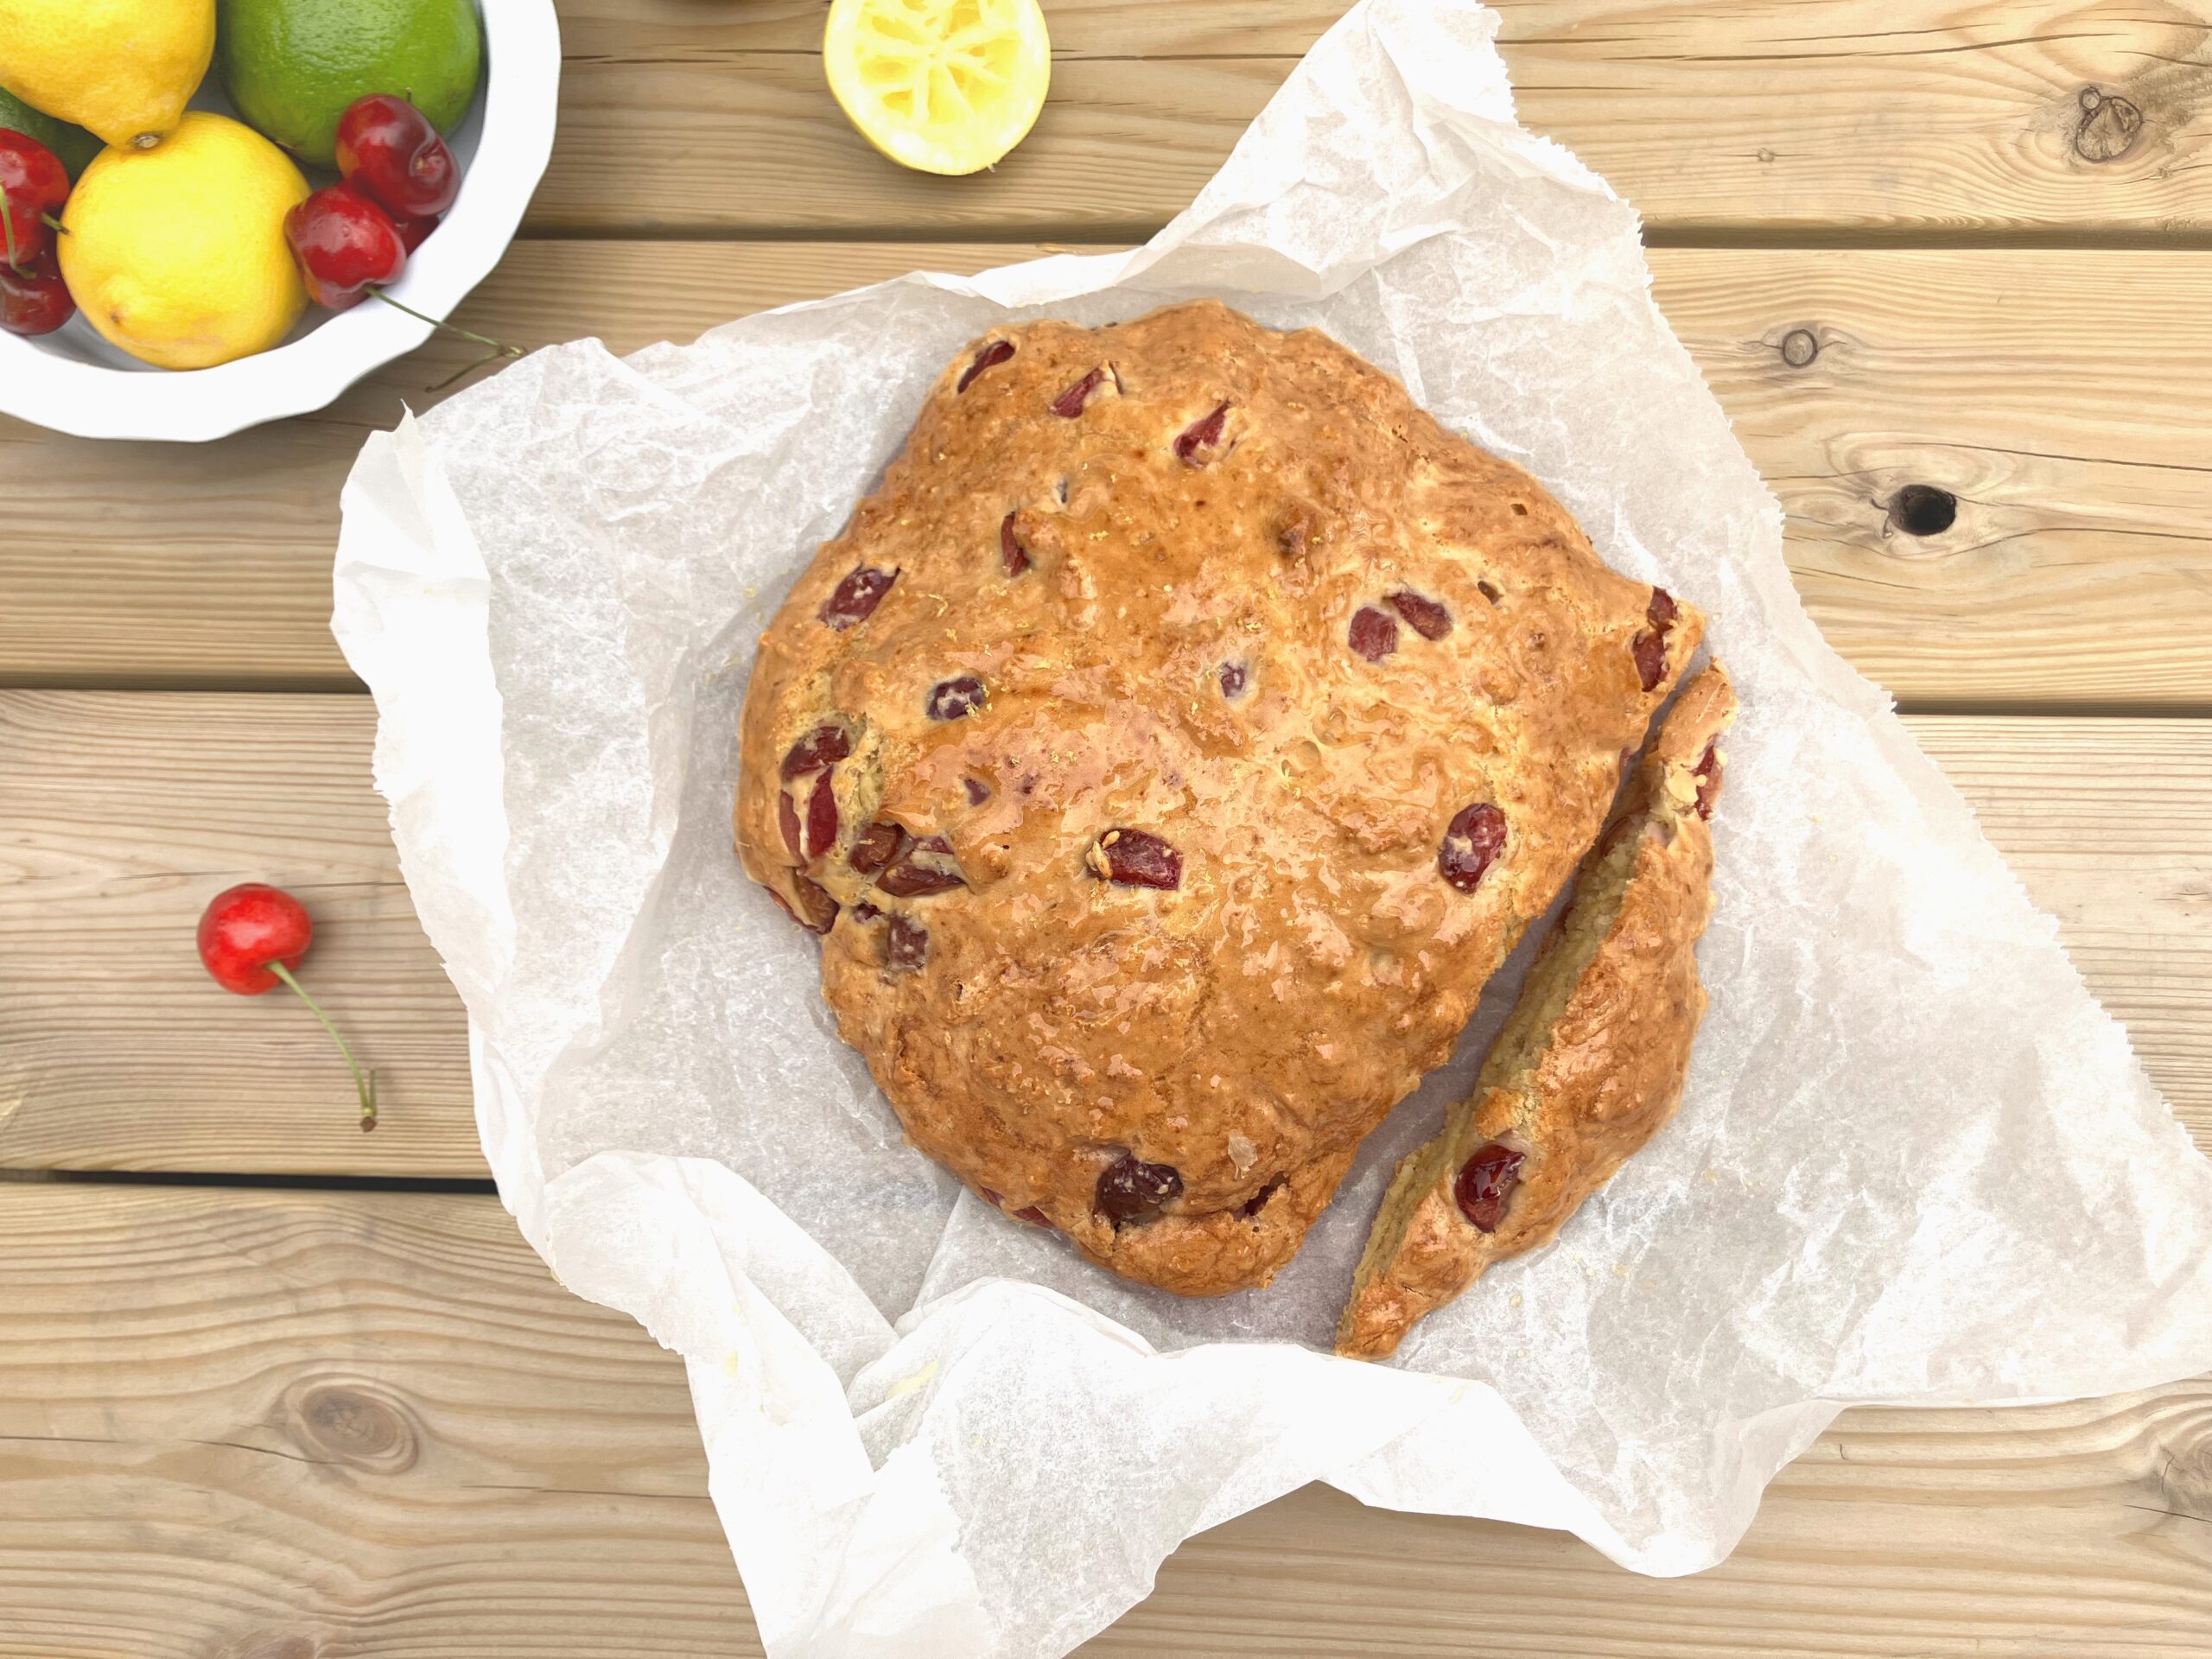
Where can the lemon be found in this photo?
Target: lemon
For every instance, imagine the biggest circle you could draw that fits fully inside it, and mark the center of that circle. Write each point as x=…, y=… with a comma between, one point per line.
x=177, y=254
x=124, y=68
x=940, y=85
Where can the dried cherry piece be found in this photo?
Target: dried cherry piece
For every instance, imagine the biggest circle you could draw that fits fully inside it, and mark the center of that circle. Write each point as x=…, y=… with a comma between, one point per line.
x=1204, y=434
x=787, y=821
x=1374, y=633
x=877, y=847
x=1233, y=675
x=905, y=945
x=1131, y=1189
x=856, y=596
x=823, y=747
x=1485, y=1182
x=978, y=790
x=908, y=879
x=955, y=699
x=1014, y=557
x=1707, y=773
x=1069, y=403
x=1134, y=858
x=821, y=819
x=1650, y=647
x=1427, y=617
x=989, y=357
x=864, y=912
x=1472, y=842
x=917, y=881
x=819, y=910
x=1032, y=1215
x=1649, y=650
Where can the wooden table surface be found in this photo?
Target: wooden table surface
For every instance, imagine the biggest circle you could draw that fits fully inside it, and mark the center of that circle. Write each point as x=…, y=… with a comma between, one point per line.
x=272, y=1390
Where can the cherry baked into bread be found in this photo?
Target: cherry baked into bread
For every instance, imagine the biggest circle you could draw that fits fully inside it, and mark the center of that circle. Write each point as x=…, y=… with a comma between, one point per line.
x=1167, y=753
x=1590, y=1064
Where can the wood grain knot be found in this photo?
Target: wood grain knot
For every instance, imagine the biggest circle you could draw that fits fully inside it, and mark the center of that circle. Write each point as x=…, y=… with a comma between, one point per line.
x=2108, y=127
x=1922, y=510
x=2183, y=1477
x=349, y=1423
x=1800, y=346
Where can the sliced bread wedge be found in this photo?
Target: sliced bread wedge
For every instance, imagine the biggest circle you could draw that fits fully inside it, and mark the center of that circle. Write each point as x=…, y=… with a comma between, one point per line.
x=1590, y=1062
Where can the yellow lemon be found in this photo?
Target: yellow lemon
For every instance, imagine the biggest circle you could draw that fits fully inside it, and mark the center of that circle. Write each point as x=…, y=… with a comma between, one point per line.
x=178, y=255
x=124, y=68
x=940, y=85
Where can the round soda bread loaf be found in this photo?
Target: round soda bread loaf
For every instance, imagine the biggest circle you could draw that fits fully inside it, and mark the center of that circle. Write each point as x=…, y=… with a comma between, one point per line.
x=1167, y=752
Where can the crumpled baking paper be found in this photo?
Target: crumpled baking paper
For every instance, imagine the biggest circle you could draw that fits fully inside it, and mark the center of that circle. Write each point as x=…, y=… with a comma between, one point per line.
x=1914, y=1163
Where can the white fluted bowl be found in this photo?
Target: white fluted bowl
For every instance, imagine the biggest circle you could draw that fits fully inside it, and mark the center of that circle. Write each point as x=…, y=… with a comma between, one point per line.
x=73, y=381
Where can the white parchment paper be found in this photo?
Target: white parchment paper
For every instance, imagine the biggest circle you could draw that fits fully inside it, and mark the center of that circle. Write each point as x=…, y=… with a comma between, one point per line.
x=1915, y=1162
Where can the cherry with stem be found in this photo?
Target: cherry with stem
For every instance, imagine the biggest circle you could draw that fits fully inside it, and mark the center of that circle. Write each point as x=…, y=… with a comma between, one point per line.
x=250, y=939
x=34, y=186
x=8, y=224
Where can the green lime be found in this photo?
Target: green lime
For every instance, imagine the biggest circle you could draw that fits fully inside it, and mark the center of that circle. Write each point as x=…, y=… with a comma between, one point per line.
x=73, y=146
x=292, y=67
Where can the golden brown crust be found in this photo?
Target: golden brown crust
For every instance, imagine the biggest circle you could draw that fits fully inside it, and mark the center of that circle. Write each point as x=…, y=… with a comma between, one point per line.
x=1158, y=616
x=1590, y=1064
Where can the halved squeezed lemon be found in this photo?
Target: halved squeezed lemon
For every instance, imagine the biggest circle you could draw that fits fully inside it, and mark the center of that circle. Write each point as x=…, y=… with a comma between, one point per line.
x=939, y=86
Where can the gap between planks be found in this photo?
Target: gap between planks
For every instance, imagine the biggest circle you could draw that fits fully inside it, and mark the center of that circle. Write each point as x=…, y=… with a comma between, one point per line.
x=2054, y=395
x=127, y=811
x=1738, y=118
x=275, y=1425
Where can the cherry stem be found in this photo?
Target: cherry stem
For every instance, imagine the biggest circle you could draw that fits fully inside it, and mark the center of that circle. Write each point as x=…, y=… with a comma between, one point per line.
x=8, y=224
x=494, y=351
x=364, y=1081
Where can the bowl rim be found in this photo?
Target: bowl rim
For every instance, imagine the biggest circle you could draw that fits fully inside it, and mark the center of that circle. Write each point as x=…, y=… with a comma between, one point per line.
x=522, y=42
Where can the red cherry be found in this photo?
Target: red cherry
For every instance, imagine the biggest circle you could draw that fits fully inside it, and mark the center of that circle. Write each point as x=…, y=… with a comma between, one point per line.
x=252, y=937
x=247, y=928
x=413, y=232
x=345, y=244
x=388, y=150
x=34, y=300
x=32, y=184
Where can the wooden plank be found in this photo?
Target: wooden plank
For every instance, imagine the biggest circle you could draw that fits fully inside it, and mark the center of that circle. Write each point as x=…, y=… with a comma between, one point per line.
x=286, y=1424
x=2043, y=391
x=125, y=812
x=411, y=1441
x=2055, y=392
x=1773, y=116
x=210, y=563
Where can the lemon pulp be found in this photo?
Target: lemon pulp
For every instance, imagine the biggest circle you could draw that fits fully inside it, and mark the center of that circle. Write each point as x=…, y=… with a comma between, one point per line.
x=940, y=85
